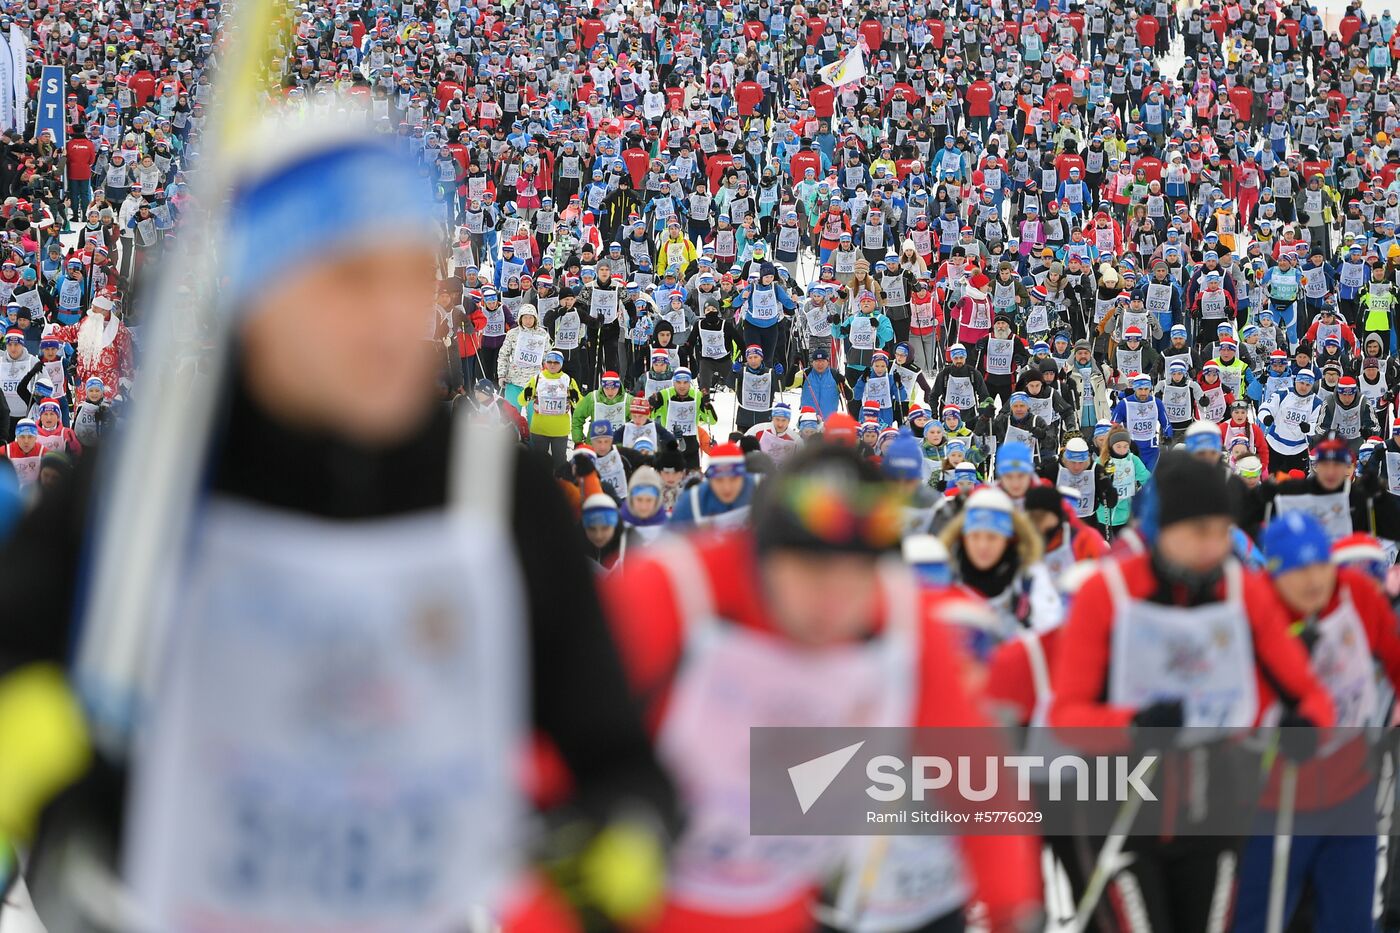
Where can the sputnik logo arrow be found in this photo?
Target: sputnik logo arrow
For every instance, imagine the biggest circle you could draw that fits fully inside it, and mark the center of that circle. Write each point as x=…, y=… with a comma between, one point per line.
x=811, y=778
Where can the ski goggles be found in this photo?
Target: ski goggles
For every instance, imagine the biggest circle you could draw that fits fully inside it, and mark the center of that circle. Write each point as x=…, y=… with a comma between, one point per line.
x=817, y=513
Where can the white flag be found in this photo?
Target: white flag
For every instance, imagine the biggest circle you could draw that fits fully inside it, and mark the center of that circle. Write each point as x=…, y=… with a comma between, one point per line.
x=847, y=71
x=19, y=53
x=7, y=91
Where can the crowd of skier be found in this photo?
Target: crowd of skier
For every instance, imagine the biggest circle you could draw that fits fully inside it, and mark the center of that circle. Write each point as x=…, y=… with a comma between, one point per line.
x=898, y=363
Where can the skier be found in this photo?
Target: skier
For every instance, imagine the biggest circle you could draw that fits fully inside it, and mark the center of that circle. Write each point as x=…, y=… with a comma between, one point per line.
x=723, y=499
x=1347, y=626
x=1106, y=673
x=1289, y=417
x=347, y=545
x=799, y=603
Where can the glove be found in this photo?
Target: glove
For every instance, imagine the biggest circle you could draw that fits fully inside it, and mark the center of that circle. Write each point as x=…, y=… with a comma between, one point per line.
x=1305, y=427
x=1164, y=714
x=584, y=465
x=778, y=368
x=43, y=744
x=736, y=367
x=1267, y=421
x=616, y=875
x=1297, y=736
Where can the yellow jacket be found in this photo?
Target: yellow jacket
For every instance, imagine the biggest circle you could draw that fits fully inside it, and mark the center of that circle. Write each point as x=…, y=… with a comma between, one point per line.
x=677, y=251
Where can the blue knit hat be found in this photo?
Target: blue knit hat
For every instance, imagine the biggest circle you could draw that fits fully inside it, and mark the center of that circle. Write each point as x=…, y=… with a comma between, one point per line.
x=351, y=191
x=1292, y=541
x=903, y=459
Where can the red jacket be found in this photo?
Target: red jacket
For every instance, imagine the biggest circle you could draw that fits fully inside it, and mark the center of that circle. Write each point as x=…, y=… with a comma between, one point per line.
x=469, y=343
x=1080, y=671
x=1328, y=781
x=1011, y=680
x=650, y=633
x=1256, y=438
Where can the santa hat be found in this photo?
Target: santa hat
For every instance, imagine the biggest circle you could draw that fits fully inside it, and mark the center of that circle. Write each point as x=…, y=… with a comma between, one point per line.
x=1355, y=548
x=840, y=427
x=1131, y=332
x=726, y=460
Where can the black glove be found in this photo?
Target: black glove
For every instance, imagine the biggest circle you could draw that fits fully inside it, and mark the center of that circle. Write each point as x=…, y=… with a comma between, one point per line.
x=584, y=465
x=1305, y=427
x=1164, y=714
x=1297, y=736
x=1267, y=421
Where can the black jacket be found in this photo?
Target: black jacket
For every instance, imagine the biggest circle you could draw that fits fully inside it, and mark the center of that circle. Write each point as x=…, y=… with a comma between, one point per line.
x=579, y=699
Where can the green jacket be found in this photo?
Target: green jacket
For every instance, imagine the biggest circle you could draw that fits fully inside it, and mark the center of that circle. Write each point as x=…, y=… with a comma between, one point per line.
x=585, y=411
x=1119, y=514
x=660, y=403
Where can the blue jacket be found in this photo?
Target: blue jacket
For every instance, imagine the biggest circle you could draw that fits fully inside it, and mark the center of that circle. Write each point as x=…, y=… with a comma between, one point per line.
x=685, y=516
x=1120, y=416
x=820, y=391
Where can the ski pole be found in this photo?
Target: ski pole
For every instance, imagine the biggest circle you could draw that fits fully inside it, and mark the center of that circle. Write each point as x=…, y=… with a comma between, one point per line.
x=1283, y=848
x=850, y=906
x=1104, y=869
